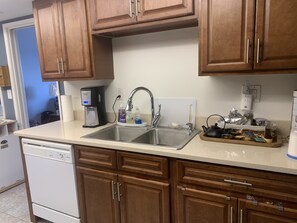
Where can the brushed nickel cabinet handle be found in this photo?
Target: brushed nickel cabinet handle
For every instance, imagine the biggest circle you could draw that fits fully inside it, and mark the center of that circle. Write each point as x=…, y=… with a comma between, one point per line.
x=113, y=190
x=241, y=216
x=231, y=213
x=247, y=50
x=258, y=50
x=118, y=188
x=59, y=69
x=62, y=65
x=238, y=182
x=136, y=7
x=130, y=13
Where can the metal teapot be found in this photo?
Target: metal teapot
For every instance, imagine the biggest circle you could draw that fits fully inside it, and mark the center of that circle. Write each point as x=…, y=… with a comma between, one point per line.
x=214, y=130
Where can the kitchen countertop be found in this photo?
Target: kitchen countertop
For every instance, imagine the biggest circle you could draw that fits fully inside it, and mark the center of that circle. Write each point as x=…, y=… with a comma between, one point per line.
x=254, y=157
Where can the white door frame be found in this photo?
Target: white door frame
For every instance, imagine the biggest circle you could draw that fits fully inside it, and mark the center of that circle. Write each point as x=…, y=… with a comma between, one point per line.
x=15, y=70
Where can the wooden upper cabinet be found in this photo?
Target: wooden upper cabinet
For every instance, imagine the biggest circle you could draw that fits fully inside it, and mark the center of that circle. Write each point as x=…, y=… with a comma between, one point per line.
x=48, y=37
x=226, y=35
x=62, y=37
x=65, y=45
x=125, y=17
x=111, y=13
x=148, y=10
x=248, y=36
x=75, y=43
x=276, y=34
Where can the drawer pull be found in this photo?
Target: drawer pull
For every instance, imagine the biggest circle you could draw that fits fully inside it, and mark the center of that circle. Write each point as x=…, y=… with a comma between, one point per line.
x=238, y=182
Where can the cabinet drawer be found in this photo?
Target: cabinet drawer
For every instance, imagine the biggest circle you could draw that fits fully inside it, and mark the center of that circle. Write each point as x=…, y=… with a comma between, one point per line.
x=247, y=181
x=95, y=157
x=143, y=164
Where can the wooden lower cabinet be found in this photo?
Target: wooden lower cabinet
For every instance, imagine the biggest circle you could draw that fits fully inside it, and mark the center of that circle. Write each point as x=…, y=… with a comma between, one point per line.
x=249, y=212
x=95, y=194
x=110, y=198
x=204, y=207
x=144, y=201
x=107, y=194
x=124, y=187
x=210, y=193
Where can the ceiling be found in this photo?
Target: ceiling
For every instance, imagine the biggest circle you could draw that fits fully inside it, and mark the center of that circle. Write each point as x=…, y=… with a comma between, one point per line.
x=10, y=9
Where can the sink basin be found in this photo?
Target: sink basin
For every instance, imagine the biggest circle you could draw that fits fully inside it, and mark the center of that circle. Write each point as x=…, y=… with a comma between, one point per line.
x=117, y=133
x=176, y=138
x=173, y=138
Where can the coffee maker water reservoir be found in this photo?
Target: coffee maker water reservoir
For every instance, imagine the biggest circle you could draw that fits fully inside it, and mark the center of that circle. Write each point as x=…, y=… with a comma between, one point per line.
x=92, y=98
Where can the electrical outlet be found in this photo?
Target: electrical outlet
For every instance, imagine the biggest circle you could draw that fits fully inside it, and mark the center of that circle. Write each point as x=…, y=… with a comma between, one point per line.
x=255, y=90
x=120, y=92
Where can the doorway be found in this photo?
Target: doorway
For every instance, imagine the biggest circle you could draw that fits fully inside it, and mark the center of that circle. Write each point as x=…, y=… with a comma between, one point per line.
x=31, y=96
x=40, y=98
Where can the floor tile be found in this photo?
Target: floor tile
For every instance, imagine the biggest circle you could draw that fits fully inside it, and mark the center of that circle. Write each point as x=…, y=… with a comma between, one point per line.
x=14, y=206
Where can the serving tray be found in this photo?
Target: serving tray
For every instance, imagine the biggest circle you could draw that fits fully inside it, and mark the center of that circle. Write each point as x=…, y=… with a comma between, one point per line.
x=275, y=144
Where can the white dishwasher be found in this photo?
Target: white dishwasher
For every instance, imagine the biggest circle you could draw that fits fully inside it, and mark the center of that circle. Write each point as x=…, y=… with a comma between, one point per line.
x=52, y=181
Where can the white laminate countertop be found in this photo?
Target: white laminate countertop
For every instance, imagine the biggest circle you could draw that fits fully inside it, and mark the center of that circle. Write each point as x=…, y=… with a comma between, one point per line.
x=254, y=157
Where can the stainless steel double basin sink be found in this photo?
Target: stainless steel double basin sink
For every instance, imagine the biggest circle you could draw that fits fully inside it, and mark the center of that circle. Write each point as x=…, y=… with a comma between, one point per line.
x=165, y=137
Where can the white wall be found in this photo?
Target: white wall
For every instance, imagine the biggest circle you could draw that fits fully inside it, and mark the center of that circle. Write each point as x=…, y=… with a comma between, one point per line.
x=167, y=64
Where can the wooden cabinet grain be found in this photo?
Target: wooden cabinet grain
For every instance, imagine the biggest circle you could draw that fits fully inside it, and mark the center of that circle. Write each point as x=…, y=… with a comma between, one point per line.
x=275, y=35
x=65, y=45
x=108, y=194
x=96, y=196
x=247, y=36
x=233, y=194
x=248, y=212
x=200, y=206
x=118, y=17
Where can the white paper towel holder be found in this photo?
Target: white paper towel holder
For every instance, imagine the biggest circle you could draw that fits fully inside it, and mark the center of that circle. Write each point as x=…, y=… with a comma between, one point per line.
x=292, y=148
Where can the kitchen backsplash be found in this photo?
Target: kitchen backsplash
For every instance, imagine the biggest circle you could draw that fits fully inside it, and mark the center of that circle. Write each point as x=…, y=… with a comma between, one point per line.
x=167, y=64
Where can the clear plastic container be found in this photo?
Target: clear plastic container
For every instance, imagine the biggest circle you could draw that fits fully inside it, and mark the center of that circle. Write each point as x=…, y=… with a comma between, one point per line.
x=138, y=119
x=122, y=114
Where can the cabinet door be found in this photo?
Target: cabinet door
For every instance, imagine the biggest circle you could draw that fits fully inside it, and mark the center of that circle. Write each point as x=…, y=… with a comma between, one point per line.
x=204, y=207
x=148, y=10
x=264, y=213
x=97, y=201
x=144, y=201
x=48, y=37
x=105, y=14
x=276, y=34
x=75, y=39
x=226, y=35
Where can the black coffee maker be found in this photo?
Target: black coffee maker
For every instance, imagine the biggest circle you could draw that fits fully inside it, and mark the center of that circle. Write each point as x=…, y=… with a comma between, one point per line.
x=92, y=98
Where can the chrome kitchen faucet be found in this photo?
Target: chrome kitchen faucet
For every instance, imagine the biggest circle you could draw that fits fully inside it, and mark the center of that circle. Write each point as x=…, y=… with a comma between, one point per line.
x=155, y=117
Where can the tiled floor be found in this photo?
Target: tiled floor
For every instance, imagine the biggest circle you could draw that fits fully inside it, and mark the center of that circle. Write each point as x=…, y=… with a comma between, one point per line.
x=14, y=207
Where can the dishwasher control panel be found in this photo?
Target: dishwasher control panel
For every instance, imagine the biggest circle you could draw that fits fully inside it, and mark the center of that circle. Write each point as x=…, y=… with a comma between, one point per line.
x=59, y=155
x=48, y=150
